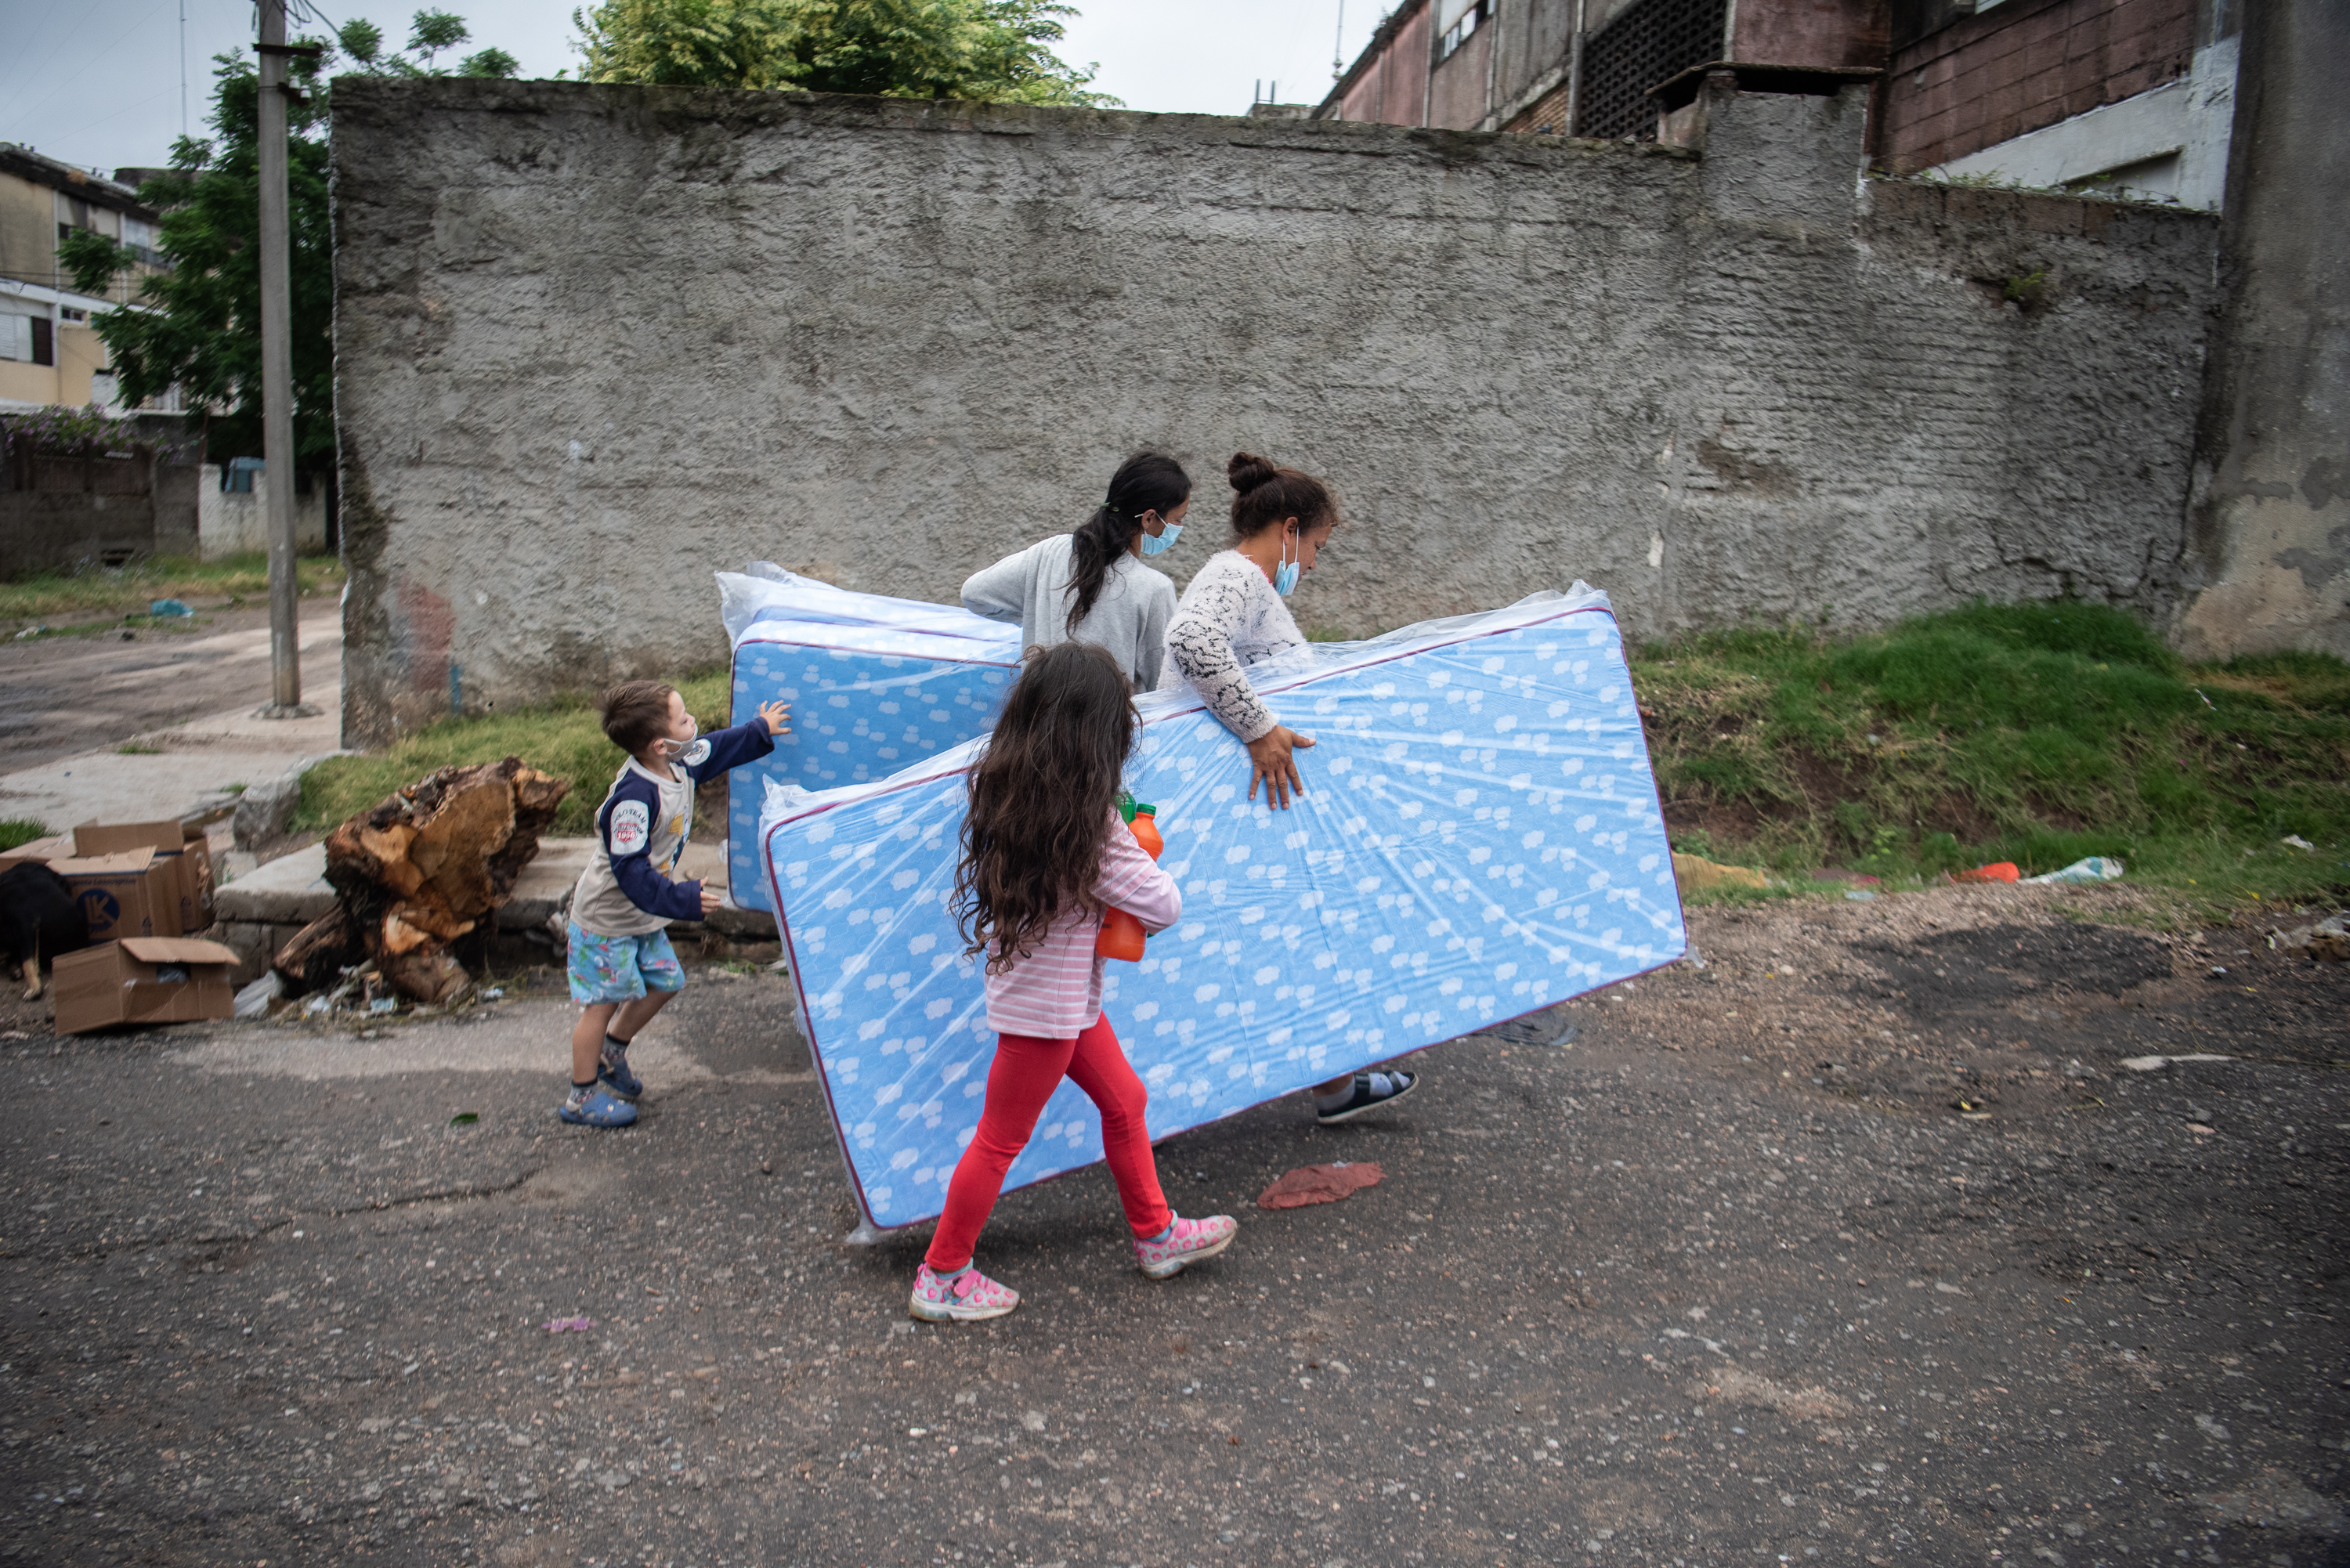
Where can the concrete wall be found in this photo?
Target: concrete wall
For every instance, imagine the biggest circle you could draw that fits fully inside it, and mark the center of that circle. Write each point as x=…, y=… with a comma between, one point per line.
x=63, y=515
x=594, y=343
x=231, y=522
x=2272, y=514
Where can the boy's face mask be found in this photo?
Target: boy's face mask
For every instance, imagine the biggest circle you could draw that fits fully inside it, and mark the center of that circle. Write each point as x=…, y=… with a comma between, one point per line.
x=671, y=750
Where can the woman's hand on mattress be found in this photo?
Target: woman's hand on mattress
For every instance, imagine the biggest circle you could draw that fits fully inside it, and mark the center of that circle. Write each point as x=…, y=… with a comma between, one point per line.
x=1271, y=762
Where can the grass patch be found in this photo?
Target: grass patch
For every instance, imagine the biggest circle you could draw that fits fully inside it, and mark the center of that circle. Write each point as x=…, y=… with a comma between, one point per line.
x=2038, y=733
x=17, y=831
x=563, y=738
x=124, y=590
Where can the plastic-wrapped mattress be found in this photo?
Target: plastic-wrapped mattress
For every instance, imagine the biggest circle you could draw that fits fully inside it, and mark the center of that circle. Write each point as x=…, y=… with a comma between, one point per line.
x=1480, y=839
x=876, y=684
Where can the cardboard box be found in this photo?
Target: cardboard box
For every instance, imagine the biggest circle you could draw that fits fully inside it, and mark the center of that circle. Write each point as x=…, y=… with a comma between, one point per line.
x=41, y=850
x=133, y=894
x=144, y=979
x=191, y=860
x=120, y=838
x=192, y=873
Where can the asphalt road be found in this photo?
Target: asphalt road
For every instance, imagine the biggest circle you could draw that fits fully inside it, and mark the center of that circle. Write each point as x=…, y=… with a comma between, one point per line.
x=1727, y=1278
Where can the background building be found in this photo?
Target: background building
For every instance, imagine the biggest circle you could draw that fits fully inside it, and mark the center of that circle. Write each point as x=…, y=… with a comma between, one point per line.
x=48, y=351
x=2129, y=98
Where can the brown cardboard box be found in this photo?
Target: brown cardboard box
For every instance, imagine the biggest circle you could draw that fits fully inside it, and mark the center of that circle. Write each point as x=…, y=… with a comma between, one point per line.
x=144, y=979
x=133, y=894
x=43, y=850
x=190, y=861
x=120, y=837
x=192, y=874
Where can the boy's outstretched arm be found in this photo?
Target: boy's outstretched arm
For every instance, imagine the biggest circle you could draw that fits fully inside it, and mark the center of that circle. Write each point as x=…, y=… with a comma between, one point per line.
x=731, y=748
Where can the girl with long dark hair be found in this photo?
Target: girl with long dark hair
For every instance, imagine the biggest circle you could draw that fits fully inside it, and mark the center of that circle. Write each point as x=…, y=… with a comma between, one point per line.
x=1091, y=586
x=1045, y=855
x=1232, y=615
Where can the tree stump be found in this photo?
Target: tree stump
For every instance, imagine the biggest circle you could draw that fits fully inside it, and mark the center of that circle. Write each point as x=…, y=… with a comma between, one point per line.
x=432, y=862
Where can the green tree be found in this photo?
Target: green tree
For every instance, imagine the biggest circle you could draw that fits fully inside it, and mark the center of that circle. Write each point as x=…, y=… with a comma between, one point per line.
x=431, y=32
x=202, y=330
x=994, y=51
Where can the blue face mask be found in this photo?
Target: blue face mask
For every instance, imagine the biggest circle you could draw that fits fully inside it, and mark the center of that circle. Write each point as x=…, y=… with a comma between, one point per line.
x=1284, y=575
x=1163, y=541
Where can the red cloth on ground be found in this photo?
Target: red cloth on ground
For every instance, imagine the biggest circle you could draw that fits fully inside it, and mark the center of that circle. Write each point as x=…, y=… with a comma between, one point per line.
x=1023, y=1075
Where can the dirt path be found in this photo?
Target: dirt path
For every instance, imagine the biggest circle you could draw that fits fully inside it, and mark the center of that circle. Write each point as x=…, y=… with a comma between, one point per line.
x=1727, y=1277
x=64, y=695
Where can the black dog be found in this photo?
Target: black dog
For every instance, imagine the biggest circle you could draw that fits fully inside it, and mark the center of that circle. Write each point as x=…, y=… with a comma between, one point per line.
x=39, y=921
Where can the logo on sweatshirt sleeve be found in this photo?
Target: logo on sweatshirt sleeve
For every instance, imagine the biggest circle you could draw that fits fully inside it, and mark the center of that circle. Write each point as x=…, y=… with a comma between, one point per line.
x=695, y=756
x=632, y=822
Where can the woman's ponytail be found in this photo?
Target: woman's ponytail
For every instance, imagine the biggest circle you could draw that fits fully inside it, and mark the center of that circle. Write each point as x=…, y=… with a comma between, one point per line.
x=1147, y=482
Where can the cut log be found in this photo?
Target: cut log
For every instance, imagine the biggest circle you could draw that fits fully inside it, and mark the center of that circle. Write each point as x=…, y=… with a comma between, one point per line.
x=434, y=861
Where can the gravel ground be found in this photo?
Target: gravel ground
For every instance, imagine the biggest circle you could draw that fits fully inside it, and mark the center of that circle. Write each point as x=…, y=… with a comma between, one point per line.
x=1858, y=1243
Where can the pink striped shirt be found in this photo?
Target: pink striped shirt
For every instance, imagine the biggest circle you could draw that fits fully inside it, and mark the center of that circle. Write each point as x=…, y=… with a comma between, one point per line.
x=1055, y=992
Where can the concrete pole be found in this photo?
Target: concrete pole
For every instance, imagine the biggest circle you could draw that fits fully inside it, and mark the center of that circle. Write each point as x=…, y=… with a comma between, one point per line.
x=277, y=372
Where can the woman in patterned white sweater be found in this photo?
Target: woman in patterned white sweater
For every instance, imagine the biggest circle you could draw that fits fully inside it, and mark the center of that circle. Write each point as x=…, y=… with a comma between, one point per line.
x=1233, y=616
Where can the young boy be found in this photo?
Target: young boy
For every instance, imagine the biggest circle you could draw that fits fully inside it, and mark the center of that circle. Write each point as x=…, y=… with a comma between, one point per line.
x=621, y=964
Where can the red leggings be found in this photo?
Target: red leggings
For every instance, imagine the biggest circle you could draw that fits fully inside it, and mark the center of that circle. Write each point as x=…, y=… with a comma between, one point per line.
x=1026, y=1072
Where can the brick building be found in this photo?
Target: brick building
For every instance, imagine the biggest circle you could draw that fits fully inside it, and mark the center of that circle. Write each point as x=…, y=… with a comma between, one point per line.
x=2132, y=97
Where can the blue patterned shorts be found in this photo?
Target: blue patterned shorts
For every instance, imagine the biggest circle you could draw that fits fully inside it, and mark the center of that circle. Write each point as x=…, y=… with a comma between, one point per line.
x=622, y=968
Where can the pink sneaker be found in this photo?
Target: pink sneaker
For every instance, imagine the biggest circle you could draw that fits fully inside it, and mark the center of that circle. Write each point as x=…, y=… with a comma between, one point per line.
x=967, y=1297
x=1188, y=1243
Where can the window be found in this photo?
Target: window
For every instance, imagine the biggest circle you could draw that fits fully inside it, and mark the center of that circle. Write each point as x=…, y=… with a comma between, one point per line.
x=139, y=236
x=68, y=312
x=1456, y=21
x=25, y=339
x=1649, y=43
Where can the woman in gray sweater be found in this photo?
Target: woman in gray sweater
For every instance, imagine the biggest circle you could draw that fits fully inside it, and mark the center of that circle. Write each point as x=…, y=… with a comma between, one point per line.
x=1091, y=586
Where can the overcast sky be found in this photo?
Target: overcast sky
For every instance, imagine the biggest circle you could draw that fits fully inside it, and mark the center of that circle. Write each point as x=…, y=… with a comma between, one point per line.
x=98, y=82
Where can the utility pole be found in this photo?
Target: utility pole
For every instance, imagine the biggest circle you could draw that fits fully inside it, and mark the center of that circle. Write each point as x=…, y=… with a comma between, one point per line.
x=278, y=375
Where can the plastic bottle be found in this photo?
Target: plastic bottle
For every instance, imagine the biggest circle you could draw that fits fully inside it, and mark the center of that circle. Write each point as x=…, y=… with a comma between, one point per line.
x=1121, y=933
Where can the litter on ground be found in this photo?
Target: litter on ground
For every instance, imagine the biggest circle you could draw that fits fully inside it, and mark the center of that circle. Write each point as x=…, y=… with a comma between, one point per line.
x=1319, y=1184
x=2095, y=868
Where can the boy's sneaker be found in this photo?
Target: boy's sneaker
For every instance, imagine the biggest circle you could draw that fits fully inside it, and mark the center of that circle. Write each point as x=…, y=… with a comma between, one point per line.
x=1372, y=1090
x=596, y=1109
x=612, y=1072
x=967, y=1297
x=1186, y=1241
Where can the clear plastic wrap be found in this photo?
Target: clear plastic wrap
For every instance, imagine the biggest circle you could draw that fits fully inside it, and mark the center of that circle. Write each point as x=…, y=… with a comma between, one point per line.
x=1481, y=838
x=869, y=695
x=767, y=592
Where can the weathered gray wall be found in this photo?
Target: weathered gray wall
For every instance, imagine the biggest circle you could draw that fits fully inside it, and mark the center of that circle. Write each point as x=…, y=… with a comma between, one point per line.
x=594, y=343
x=2271, y=564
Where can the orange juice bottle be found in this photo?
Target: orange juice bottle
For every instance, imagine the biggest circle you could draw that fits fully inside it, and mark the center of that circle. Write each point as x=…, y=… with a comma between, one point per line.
x=1121, y=933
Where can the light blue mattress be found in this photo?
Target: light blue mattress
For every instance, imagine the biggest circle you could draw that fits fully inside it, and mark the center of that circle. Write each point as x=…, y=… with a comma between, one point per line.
x=1481, y=839
x=869, y=696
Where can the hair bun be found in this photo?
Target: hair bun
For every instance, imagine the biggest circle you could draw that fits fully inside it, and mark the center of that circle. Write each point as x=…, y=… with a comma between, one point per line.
x=1247, y=471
